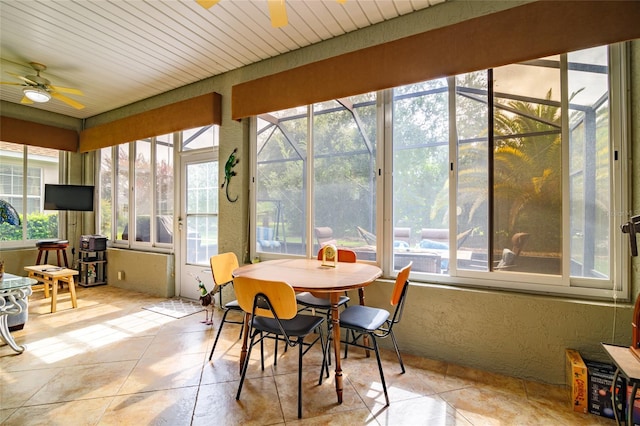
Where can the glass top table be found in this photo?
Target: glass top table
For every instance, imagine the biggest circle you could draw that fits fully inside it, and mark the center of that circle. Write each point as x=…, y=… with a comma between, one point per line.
x=14, y=291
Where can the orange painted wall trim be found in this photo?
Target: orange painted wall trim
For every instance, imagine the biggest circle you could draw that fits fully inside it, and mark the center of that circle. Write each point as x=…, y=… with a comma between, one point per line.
x=530, y=31
x=195, y=112
x=29, y=133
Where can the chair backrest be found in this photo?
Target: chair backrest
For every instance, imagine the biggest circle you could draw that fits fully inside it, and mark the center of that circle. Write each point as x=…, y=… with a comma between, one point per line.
x=402, y=280
x=399, y=295
x=344, y=255
x=519, y=240
x=402, y=234
x=280, y=297
x=433, y=234
x=324, y=234
x=222, y=267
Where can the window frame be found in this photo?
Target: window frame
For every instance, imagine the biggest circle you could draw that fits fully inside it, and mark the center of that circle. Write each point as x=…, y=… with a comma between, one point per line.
x=26, y=156
x=131, y=243
x=618, y=284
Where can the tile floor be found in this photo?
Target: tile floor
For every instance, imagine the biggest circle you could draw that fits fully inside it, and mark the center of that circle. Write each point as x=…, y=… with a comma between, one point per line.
x=110, y=362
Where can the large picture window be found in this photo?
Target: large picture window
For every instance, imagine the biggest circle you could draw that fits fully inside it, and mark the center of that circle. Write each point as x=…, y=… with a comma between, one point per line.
x=137, y=193
x=333, y=169
x=24, y=170
x=142, y=174
x=498, y=178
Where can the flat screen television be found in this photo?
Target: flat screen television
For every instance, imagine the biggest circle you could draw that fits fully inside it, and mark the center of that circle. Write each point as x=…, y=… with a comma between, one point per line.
x=68, y=197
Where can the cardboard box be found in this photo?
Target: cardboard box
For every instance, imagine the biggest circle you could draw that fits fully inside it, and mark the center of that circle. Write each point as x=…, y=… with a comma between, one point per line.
x=636, y=406
x=577, y=379
x=600, y=381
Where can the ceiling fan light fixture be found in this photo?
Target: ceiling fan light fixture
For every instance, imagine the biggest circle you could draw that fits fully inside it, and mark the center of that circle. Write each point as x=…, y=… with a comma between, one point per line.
x=36, y=94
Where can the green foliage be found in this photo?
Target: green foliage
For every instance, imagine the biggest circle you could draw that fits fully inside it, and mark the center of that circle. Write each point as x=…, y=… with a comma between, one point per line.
x=39, y=226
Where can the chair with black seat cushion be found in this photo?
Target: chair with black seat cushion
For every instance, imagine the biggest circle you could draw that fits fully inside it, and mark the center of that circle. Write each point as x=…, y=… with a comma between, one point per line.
x=320, y=302
x=222, y=267
x=362, y=321
x=274, y=314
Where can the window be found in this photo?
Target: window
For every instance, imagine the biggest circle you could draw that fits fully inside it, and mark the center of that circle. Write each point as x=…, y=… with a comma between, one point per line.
x=150, y=191
x=498, y=178
x=24, y=170
x=343, y=169
x=140, y=212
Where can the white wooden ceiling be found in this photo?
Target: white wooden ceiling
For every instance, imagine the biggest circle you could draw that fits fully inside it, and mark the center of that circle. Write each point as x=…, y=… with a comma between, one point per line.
x=122, y=51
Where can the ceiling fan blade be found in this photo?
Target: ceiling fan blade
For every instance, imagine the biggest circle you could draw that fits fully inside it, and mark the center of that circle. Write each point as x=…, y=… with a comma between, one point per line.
x=66, y=100
x=278, y=13
x=67, y=90
x=11, y=83
x=26, y=100
x=23, y=78
x=207, y=3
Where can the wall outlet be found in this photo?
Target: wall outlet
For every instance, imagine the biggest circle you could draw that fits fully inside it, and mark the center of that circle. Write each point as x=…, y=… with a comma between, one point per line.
x=120, y=275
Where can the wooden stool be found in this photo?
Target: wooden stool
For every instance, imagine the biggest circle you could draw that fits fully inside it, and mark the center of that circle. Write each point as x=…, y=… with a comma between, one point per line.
x=53, y=276
x=60, y=246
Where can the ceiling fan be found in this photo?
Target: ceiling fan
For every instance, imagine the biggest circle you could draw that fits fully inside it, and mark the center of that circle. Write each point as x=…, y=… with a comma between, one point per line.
x=39, y=89
x=277, y=10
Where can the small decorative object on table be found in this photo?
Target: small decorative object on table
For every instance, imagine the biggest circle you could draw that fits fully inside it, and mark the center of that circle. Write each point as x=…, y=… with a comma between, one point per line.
x=1, y=269
x=329, y=255
x=207, y=299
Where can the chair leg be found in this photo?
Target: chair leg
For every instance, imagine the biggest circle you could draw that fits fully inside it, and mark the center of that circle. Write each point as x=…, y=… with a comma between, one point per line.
x=262, y=350
x=353, y=340
x=275, y=352
x=384, y=384
x=245, y=366
x=395, y=345
x=325, y=351
x=215, y=342
x=300, y=352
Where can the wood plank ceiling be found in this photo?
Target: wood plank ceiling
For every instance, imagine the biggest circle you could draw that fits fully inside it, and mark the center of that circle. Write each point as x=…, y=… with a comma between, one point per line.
x=122, y=51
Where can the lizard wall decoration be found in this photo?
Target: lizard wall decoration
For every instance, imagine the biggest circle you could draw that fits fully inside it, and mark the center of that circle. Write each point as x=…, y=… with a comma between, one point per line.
x=229, y=172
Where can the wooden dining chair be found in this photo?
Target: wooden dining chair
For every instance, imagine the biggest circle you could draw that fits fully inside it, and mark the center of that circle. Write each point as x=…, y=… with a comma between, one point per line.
x=222, y=267
x=274, y=314
x=362, y=321
x=320, y=302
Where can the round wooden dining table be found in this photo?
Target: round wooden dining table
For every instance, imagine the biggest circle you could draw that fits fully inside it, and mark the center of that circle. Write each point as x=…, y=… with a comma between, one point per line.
x=311, y=275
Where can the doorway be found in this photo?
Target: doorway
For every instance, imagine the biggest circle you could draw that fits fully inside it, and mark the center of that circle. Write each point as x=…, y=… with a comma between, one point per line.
x=197, y=222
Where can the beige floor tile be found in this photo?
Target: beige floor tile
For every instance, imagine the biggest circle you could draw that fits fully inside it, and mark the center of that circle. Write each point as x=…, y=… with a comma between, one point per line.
x=361, y=416
x=110, y=362
x=258, y=404
x=497, y=382
x=426, y=410
x=167, y=407
x=84, y=382
x=17, y=387
x=316, y=399
x=151, y=374
x=78, y=413
x=167, y=345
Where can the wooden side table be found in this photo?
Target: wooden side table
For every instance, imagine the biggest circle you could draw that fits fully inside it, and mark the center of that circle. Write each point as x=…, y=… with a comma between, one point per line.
x=50, y=275
x=628, y=366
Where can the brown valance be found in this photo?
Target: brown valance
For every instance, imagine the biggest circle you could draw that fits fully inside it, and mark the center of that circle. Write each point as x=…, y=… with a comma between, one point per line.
x=530, y=31
x=30, y=133
x=188, y=114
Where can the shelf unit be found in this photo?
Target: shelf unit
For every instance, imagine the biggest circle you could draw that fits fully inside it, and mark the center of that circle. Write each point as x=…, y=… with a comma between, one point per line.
x=92, y=268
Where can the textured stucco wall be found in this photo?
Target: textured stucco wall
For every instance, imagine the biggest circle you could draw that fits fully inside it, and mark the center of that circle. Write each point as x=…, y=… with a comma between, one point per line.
x=514, y=334
x=151, y=273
